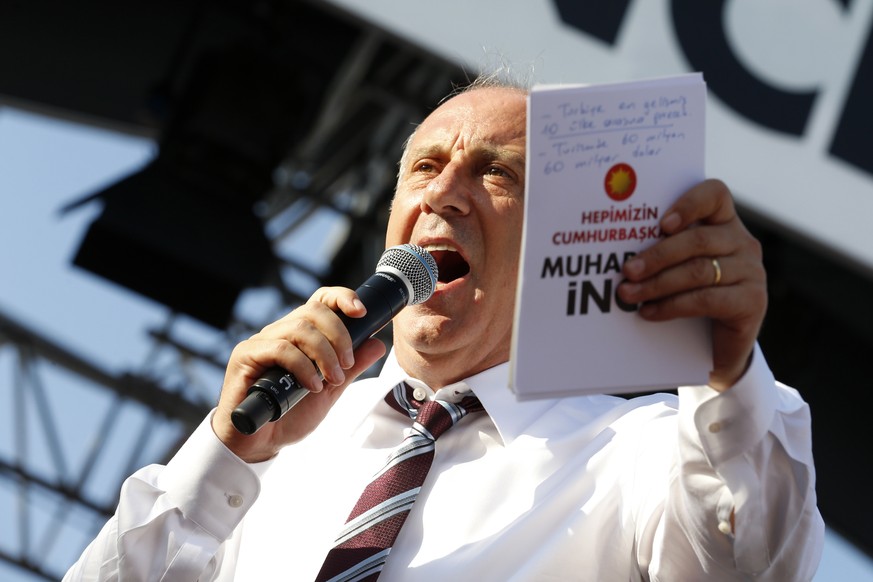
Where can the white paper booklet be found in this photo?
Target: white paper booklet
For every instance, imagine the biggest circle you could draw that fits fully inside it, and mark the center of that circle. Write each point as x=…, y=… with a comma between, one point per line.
x=604, y=163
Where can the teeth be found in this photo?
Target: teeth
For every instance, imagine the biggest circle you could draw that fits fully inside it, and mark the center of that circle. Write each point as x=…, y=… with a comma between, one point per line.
x=440, y=247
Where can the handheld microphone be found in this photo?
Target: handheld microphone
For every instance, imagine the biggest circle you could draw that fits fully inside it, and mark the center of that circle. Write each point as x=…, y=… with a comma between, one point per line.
x=405, y=275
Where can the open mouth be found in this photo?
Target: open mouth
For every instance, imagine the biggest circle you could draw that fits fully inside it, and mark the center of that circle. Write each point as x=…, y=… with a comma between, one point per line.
x=450, y=264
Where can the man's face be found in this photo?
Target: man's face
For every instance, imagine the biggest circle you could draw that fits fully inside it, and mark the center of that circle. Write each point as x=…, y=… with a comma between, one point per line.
x=460, y=195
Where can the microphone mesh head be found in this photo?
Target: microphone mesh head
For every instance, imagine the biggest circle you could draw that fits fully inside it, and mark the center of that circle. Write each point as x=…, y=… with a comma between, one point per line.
x=416, y=265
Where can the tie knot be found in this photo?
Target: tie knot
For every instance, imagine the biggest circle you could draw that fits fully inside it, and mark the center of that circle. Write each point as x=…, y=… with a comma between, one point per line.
x=434, y=416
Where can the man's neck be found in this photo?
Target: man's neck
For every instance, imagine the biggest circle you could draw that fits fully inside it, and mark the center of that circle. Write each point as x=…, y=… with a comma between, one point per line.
x=438, y=371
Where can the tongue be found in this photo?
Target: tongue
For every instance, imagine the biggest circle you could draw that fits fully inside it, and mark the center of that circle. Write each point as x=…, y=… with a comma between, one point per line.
x=450, y=265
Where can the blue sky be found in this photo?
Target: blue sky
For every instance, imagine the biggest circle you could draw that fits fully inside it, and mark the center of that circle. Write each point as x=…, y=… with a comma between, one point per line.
x=44, y=164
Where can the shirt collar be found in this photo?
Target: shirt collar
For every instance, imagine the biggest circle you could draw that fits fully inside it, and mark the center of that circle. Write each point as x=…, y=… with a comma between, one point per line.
x=491, y=386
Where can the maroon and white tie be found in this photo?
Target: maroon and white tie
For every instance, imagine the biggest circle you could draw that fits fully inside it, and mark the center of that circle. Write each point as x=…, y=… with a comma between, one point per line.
x=360, y=551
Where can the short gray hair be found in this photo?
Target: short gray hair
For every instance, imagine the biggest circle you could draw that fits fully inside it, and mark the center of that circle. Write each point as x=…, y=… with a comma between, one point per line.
x=501, y=77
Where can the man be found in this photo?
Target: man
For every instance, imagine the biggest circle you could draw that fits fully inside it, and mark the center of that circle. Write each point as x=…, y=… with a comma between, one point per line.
x=719, y=485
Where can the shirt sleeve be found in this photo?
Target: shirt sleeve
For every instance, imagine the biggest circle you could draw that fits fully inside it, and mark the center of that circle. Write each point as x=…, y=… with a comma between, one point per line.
x=172, y=522
x=742, y=501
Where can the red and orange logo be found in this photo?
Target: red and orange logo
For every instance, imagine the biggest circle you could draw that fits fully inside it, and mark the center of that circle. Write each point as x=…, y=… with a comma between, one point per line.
x=620, y=182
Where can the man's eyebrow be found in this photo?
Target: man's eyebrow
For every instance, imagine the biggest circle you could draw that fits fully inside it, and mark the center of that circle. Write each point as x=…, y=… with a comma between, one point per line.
x=426, y=151
x=490, y=152
x=499, y=152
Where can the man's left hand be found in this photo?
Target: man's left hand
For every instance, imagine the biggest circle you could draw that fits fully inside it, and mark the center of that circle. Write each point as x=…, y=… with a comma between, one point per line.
x=707, y=265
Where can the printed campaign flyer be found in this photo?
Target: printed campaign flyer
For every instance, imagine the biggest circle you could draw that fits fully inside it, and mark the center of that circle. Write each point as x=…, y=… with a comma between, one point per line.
x=604, y=163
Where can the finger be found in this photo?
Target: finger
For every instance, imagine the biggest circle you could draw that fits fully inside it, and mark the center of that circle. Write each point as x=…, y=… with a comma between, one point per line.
x=340, y=299
x=696, y=273
x=323, y=338
x=336, y=299
x=327, y=323
x=345, y=301
x=308, y=326
x=257, y=355
x=697, y=242
x=367, y=354
x=721, y=303
x=318, y=333
x=709, y=202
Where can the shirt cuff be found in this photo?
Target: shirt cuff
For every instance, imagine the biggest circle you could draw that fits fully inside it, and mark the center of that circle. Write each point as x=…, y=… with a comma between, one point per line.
x=732, y=422
x=209, y=484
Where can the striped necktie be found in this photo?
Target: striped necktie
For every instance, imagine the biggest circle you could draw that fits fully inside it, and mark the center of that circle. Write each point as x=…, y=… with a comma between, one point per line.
x=360, y=551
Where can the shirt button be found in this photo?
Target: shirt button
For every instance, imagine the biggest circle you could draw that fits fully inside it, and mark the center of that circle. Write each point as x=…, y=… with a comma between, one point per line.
x=419, y=394
x=715, y=427
x=235, y=500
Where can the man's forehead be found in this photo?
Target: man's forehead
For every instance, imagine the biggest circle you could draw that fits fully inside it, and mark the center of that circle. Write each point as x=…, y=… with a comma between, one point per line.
x=500, y=105
x=484, y=118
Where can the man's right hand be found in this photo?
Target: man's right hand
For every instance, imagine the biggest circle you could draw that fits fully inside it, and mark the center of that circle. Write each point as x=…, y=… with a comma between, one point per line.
x=311, y=333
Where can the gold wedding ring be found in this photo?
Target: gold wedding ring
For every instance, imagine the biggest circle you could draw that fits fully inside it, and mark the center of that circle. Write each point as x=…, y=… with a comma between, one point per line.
x=717, y=268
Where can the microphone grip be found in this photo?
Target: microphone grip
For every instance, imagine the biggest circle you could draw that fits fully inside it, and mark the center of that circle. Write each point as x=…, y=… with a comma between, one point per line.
x=384, y=294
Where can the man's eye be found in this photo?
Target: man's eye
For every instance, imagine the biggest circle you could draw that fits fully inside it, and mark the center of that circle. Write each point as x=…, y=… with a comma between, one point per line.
x=495, y=171
x=423, y=167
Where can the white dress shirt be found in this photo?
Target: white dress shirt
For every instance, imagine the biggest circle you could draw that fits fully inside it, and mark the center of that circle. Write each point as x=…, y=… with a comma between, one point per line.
x=585, y=488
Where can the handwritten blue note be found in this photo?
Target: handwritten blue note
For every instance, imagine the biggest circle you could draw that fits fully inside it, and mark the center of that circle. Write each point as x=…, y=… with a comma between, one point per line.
x=604, y=162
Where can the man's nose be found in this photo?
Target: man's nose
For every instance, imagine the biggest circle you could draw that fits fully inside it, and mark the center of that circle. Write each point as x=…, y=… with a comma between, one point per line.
x=449, y=192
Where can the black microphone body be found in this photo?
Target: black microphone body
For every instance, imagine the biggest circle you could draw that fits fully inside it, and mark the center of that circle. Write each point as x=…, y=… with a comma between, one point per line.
x=384, y=294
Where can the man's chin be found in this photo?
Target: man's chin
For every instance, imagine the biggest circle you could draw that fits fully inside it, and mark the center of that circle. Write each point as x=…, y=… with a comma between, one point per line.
x=422, y=332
